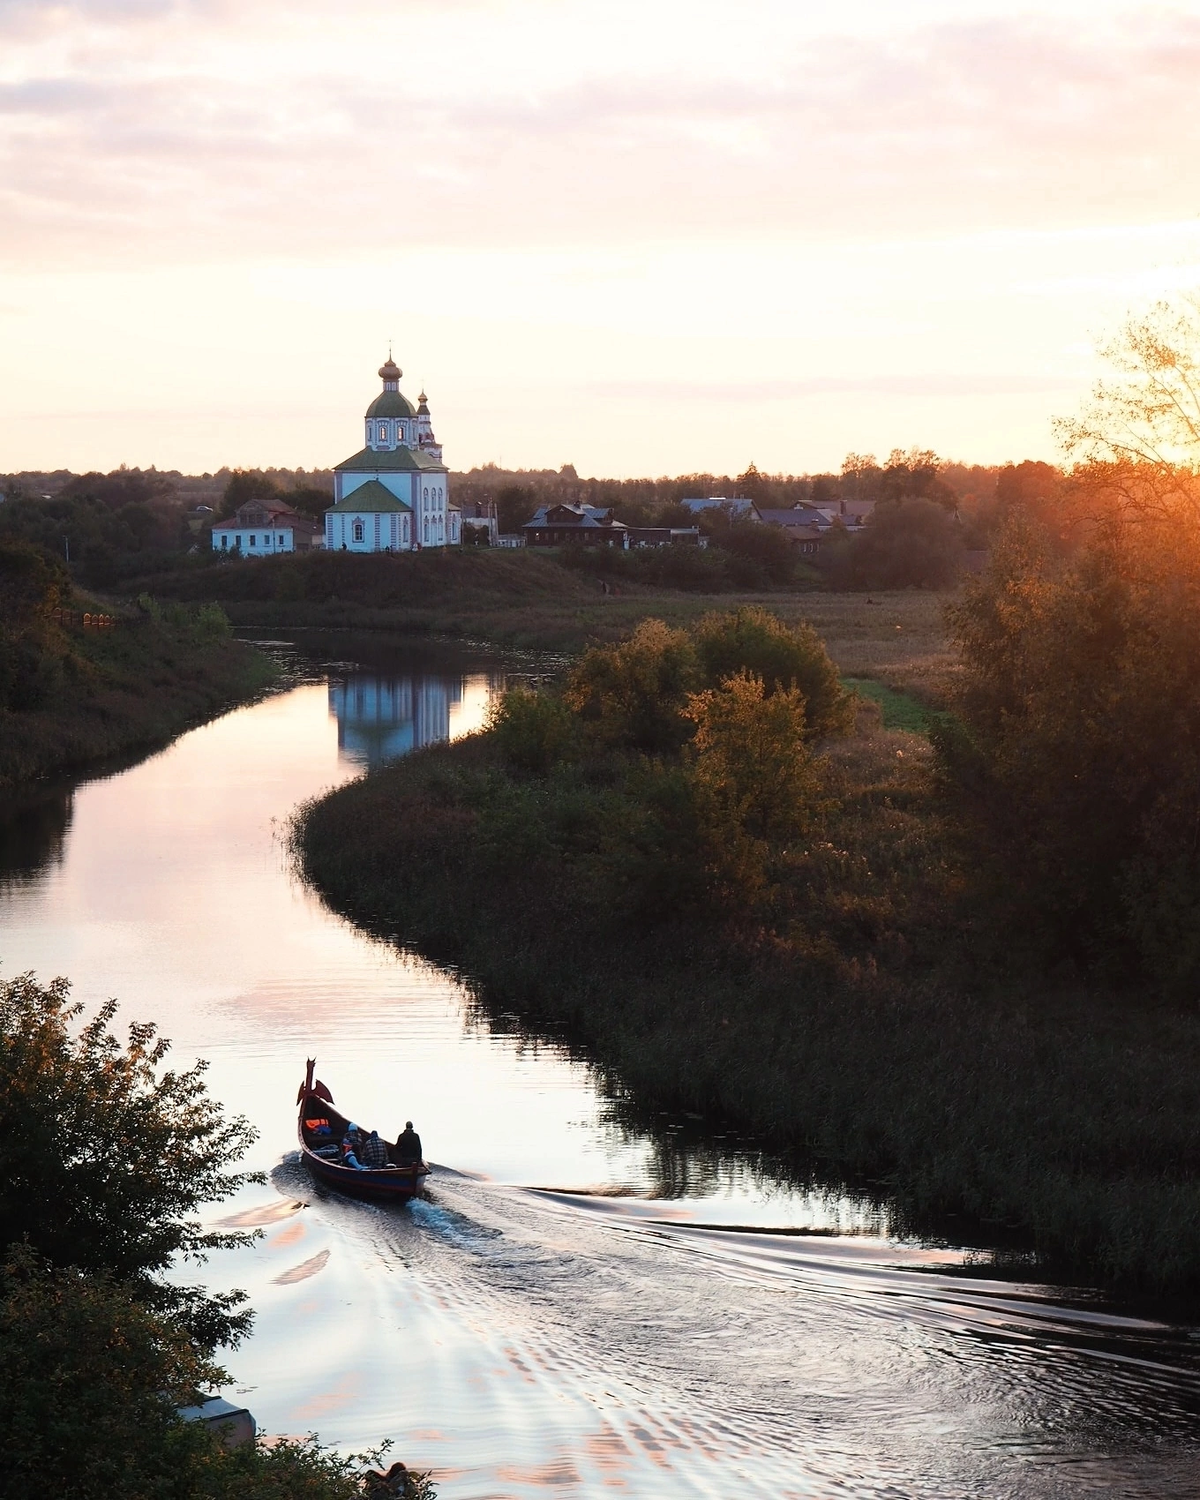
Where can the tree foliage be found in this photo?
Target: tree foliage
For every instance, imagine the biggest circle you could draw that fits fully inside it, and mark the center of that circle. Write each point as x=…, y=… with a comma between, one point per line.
x=753, y=779
x=31, y=650
x=1148, y=413
x=105, y=1156
x=1078, y=753
x=631, y=694
x=31, y=584
x=752, y=639
x=910, y=543
x=245, y=485
x=92, y=1378
x=534, y=731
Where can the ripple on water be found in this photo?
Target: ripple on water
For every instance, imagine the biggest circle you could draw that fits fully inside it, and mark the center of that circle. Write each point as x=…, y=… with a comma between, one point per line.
x=524, y=1340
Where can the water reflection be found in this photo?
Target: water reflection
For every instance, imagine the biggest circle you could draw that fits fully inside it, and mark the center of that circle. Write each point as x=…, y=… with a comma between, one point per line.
x=33, y=834
x=381, y=718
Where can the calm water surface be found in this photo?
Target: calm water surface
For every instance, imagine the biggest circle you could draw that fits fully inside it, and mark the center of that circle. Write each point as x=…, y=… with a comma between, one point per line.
x=577, y=1308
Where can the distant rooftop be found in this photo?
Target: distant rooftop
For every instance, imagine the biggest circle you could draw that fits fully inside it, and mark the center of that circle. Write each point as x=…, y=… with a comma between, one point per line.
x=738, y=508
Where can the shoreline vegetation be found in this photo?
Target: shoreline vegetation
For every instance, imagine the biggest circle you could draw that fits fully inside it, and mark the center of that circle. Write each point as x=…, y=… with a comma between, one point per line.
x=73, y=695
x=784, y=925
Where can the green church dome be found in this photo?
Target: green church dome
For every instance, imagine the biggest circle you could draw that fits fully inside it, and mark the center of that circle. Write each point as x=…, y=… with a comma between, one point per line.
x=390, y=404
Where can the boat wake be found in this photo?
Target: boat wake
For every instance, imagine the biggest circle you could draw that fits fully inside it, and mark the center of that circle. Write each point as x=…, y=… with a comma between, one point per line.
x=513, y=1339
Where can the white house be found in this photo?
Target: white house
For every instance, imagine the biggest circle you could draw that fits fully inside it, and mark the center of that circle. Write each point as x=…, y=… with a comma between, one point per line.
x=394, y=495
x=261, y=528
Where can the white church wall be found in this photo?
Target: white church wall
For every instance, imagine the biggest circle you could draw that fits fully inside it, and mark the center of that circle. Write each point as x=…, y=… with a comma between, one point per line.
x=402, y=485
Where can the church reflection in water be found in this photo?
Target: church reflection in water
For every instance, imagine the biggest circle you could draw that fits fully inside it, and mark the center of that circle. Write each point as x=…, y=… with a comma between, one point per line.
x=382, y=718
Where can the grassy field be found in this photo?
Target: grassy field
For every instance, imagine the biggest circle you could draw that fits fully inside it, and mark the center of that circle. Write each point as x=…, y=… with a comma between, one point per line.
x=527, y=600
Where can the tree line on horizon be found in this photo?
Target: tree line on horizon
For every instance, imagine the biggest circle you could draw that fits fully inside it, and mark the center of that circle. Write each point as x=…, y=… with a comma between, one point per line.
x=114, y=527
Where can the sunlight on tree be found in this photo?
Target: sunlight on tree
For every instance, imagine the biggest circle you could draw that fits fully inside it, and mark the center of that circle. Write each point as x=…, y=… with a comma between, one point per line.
x=1151, y=413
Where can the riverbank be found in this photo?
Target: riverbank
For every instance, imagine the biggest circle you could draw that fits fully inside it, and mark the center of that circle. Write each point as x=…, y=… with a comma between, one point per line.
x=870, y=1026
x=104, y=693
x=528, y=601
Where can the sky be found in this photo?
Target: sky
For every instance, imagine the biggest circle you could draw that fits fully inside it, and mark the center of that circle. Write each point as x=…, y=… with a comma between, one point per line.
x=639, y=236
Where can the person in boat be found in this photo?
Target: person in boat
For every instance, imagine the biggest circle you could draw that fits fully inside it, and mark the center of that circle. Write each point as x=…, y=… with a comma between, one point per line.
x=374, y=1152
x=351, y=1145
x=408, y=1147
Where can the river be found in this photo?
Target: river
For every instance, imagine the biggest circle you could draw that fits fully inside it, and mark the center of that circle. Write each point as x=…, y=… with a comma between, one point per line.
x=578, y=1307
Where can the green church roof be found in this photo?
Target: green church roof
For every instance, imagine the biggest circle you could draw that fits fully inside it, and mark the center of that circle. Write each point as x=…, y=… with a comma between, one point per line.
x=369, y=499
x=390, y=404
x=389, y=461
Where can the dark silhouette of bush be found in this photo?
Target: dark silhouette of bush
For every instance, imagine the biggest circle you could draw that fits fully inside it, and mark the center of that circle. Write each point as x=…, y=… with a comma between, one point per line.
x=534, y=731
x=105, y=1157
x=1077, y=756
x=915, y=543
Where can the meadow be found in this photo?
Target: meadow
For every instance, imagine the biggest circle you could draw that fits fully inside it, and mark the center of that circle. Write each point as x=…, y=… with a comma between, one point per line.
x=529, y=601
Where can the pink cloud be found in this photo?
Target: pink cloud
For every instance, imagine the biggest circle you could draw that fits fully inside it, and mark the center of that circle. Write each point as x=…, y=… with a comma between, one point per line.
x=992, y=124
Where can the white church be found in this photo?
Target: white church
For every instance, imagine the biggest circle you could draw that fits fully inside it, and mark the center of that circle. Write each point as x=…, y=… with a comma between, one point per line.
x=394, y=495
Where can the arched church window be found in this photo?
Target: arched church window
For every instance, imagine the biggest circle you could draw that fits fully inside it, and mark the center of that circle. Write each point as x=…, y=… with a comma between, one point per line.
x=358, y=531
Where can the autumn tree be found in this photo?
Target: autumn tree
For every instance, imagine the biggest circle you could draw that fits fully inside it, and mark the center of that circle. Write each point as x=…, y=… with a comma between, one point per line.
x=1076, y=754
x=905, y=543
x=754, y=781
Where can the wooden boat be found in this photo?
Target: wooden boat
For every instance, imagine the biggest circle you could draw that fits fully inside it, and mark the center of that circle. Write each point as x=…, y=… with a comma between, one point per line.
x=320, y=1129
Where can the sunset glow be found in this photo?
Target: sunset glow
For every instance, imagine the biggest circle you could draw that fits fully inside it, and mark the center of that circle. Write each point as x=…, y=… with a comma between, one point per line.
x=639, y=238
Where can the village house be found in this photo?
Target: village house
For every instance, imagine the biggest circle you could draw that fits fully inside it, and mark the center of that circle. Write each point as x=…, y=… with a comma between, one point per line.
x=574, y=524
x=263, y=528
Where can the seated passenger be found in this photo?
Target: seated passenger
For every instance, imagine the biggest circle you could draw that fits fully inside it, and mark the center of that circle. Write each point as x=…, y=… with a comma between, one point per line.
x=408, y=1147
x=351, y=1145
x=374, y=1152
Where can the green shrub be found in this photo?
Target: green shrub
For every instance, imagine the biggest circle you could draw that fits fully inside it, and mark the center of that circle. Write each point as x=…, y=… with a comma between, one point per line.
x=92, y=1378
x=533, y=730
x=632, y=694
x=752, y=639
